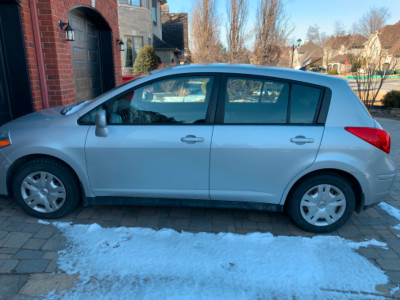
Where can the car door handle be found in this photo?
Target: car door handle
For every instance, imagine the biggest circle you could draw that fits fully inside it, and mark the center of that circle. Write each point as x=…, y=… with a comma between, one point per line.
x=191, y=139
x=301, y=140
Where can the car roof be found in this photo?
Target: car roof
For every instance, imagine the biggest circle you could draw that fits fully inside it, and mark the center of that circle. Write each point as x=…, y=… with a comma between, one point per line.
x=284, y=73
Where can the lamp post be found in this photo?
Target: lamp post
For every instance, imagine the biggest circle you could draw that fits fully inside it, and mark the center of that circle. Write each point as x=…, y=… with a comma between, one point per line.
x=293, y=48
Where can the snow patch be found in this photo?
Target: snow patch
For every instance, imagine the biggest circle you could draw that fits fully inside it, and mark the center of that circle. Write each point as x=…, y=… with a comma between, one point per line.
x=391, y=210
x=43, y=222
x=141, y=263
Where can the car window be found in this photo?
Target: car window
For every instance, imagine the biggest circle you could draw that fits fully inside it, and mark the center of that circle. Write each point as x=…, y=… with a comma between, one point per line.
x=181, y=100
x=304, y=103
x=254, y=101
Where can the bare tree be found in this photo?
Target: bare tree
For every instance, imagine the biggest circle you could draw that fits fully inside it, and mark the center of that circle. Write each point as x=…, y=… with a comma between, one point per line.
x=371, y=21
x=339, y=29
x=319, y=38
x=370, y=74
x=313, y=34
x=271, y=32
x=236, y=36
x=204, y=34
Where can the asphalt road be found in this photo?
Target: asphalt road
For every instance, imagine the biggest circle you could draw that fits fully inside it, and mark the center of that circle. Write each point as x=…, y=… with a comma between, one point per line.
x=389, y=84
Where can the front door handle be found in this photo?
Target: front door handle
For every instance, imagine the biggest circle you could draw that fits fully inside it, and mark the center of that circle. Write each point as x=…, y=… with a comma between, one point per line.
x=191, y=139
x=301, y=140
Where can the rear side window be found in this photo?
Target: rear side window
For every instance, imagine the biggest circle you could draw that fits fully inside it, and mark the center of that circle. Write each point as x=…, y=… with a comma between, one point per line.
x=304, y=103
x=255, y=101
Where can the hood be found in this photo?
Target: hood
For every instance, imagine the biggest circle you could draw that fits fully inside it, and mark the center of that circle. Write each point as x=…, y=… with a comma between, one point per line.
x=39, y=118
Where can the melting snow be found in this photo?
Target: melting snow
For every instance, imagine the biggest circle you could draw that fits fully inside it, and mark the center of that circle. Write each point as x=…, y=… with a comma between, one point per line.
x=391, y=210
x=141, y=263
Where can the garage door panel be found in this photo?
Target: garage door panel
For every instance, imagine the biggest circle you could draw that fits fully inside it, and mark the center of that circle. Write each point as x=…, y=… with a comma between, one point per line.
x=93, y=56
x=78, y=54
x=86, y=60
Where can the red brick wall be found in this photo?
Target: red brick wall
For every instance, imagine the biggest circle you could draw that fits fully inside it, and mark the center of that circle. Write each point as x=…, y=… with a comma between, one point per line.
x=56, y=51
x=31, y=54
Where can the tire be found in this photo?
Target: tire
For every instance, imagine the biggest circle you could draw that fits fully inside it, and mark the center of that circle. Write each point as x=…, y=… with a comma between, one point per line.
x=46, y=188
x=322, y=203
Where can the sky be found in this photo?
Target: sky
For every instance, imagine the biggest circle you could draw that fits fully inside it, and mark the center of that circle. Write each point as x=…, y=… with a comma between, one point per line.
x=303, y=13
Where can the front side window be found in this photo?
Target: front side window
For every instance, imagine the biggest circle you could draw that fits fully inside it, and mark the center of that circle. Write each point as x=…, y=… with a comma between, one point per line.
x=133, y=45
x=255, y=101
x=173, y=101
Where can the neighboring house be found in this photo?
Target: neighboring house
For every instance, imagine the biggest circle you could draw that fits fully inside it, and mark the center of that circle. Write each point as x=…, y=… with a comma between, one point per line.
x=39, y=68
x=136, y=28
x=340, y=49
x=306, y=54
x=175, y=32
x=383, y=47
x=140, y=24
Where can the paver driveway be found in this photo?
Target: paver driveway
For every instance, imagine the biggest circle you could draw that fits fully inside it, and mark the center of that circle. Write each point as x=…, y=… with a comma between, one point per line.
x=28, y=249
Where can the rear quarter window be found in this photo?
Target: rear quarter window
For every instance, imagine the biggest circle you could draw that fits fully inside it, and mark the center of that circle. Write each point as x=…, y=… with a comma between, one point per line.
x=304, y=104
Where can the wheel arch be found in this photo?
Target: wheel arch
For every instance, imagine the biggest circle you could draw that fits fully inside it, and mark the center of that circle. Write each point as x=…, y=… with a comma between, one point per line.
x=16, y=165
x=355, y=185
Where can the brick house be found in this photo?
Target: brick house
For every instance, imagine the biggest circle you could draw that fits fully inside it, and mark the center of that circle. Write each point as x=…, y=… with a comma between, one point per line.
x=340, y=49
x=383, y=47
x=35, y=55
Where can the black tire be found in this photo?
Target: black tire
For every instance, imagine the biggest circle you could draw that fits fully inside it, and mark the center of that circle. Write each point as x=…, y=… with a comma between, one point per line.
x=295, y=210
x=62, y=173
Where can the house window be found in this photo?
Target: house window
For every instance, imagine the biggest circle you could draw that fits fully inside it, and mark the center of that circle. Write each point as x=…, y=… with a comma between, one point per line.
x=133, y=45
x=148, y=4
x=154, y=11
x=134, y=2
x=130, y=2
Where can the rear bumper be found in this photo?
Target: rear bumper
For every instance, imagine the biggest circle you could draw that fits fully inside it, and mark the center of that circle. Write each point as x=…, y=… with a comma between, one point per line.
x=380, y=186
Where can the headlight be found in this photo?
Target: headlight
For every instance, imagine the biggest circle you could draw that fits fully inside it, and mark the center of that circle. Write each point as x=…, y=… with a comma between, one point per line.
x=5, y=138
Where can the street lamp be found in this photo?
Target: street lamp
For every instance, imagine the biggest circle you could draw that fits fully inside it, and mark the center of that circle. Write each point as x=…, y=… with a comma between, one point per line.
x=295, y=47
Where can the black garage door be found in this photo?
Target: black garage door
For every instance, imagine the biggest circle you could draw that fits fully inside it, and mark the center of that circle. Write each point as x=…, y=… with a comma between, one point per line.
x=15, y=92
x=91, y=51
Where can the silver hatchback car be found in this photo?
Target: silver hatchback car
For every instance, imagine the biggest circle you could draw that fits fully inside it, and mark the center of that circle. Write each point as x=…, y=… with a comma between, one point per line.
x=213, y=135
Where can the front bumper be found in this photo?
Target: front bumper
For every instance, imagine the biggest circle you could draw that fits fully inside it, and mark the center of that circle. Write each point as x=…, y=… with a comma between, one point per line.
x=5, y=163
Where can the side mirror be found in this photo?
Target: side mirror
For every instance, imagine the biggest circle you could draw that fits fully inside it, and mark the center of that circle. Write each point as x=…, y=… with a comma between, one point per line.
x=101, y=124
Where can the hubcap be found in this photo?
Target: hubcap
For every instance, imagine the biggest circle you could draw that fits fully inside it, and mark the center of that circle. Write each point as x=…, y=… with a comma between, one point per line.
x=323, y=205
x=43, y=192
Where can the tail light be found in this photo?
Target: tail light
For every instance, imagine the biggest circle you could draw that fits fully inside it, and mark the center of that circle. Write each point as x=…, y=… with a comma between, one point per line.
x=376, y=137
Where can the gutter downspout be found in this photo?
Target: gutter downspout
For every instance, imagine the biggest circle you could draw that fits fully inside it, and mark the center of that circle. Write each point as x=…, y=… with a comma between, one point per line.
x=39, y=54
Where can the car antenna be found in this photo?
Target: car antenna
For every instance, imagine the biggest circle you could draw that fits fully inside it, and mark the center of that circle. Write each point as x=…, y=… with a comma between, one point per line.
x=303, y=68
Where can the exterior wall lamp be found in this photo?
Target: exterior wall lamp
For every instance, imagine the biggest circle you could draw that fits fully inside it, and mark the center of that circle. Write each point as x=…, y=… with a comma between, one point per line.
x=121, y=45
x=69, y=32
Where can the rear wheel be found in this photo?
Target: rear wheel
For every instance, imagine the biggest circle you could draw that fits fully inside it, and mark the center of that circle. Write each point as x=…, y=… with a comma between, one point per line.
x=46, y=188
x=322, y=203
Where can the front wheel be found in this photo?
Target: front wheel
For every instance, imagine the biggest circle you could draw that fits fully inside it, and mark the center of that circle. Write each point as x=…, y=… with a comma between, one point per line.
x=46, y=188
x=322, y=203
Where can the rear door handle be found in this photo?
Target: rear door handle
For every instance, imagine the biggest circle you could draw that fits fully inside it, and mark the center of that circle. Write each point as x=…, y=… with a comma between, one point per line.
x=301, y=140
x=191, y=139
